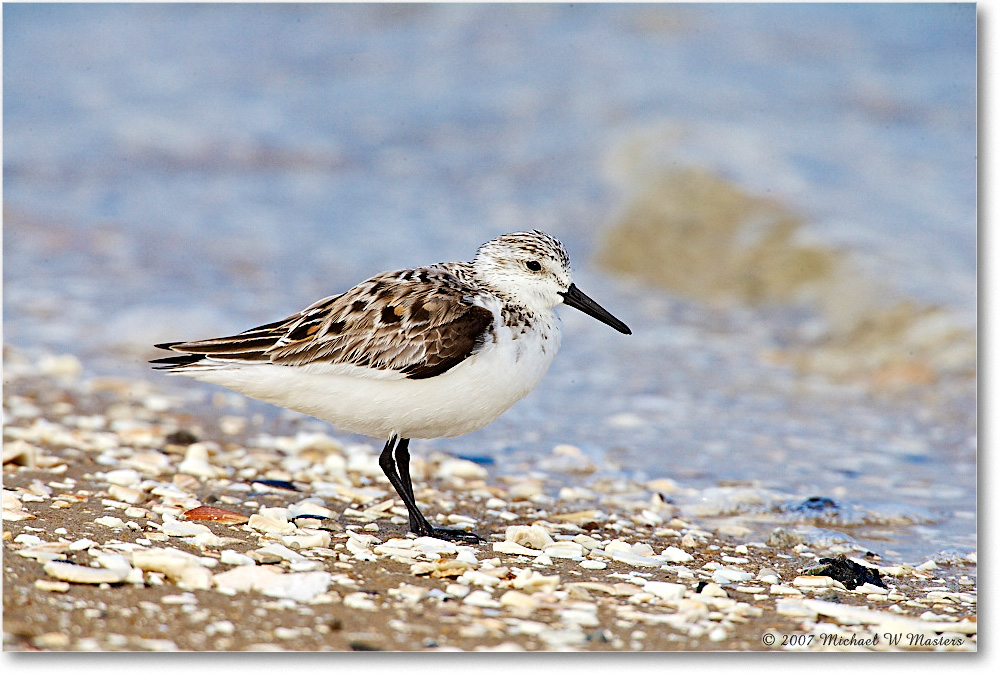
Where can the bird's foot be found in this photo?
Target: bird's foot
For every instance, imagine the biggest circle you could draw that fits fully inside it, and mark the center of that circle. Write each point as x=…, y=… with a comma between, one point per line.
x=448, y=534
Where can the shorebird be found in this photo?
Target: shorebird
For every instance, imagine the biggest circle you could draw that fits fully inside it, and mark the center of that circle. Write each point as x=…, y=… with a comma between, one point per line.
x=431, y=352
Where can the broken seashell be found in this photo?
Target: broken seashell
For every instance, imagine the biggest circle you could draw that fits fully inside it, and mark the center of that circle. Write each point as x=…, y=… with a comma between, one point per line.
x=216, y=514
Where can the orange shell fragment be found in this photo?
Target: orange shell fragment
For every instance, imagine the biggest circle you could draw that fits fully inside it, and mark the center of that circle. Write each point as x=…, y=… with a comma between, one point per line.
x=216, y=514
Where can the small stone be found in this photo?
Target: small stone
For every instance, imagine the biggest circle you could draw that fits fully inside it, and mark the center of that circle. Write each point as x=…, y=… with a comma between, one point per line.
x=846, y=571
x=181, y=437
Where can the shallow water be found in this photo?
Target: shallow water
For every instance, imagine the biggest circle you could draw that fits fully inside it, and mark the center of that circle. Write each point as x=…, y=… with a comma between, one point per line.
x=182, y=171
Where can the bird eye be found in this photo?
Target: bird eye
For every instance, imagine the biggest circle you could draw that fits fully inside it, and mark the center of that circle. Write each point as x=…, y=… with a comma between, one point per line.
x=533, y=265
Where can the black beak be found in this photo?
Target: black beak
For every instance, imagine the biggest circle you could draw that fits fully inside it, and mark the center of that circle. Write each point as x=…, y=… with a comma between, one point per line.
x=574, y=297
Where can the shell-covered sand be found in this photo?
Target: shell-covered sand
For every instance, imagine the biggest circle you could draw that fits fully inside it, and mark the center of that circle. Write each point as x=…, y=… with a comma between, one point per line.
x=129, y=526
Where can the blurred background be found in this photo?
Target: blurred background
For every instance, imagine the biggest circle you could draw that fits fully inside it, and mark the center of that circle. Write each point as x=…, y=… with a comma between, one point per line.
x=780, y=200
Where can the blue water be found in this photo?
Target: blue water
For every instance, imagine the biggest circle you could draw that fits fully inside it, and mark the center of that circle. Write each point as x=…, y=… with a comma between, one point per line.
x=176, y=171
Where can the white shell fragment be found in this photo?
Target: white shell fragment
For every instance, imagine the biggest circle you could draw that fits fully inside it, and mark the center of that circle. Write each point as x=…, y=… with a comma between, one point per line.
x=676, y=555
x=187, y=570
x=728, y=575
x=196, y=463
x=667, y=591
x=533, y=536
x=266, y=579
x=461, y=468
x=272, y=521
x=80, y=574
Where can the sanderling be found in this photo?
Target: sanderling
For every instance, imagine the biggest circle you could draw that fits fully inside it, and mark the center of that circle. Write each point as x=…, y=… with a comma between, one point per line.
x=431, y=352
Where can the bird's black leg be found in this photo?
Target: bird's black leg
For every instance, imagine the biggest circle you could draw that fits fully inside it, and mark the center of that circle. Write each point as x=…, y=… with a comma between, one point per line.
x=388, y=463
x=401, y=458
x=395, y=463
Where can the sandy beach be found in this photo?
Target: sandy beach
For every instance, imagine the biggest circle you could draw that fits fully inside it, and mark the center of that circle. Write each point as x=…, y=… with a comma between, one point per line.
x=296, y=543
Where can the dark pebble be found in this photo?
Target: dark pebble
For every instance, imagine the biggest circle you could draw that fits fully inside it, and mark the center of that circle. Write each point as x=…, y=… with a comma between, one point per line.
x=181, y=437
x=364, y=647
x=815, y=505
x=281, y=484
x=847, y=572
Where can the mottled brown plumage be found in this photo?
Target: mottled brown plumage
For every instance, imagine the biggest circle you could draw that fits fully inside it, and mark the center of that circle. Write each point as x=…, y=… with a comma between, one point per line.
x=365, y=327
